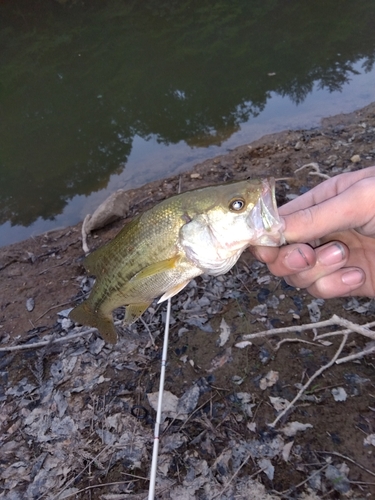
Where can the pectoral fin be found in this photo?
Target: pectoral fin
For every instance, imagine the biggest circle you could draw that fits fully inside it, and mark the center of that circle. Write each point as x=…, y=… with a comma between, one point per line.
x=133, y=311
x=173, y=291
x=157, y=268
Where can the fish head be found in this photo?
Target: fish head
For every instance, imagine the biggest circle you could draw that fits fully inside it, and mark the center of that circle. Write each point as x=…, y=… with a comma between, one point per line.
x=241, y=214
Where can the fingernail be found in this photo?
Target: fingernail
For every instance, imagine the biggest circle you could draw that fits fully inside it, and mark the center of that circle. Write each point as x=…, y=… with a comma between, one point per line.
x=333, y=254
x=297, y=260
x=352, y=278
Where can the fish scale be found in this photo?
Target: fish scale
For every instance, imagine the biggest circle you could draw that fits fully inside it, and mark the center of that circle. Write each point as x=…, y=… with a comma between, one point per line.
x=160, y=251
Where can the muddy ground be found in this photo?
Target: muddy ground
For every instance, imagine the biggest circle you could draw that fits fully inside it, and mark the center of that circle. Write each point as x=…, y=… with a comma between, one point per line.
x=77, y=416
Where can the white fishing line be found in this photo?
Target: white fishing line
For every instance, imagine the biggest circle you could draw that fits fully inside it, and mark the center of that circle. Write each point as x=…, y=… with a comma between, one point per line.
x=155, y=451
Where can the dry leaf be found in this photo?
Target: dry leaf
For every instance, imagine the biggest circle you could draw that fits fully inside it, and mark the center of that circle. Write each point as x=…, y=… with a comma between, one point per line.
x=269, y=380
x=224, y=333
x=292, y=428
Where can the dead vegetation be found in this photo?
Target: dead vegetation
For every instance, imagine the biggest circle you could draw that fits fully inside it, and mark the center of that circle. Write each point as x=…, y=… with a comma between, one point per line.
x=269, y=393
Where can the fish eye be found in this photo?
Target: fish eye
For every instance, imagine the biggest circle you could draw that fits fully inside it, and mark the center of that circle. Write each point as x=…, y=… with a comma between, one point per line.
x=237, y=205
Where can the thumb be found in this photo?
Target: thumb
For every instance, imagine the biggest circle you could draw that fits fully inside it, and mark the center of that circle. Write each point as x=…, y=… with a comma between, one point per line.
x=347, y=210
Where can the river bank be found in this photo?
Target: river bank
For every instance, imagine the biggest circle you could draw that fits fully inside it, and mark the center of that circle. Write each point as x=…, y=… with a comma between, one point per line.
x=89, y=390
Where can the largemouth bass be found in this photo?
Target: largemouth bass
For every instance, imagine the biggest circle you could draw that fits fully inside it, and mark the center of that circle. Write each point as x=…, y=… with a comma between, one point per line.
x=160, y=251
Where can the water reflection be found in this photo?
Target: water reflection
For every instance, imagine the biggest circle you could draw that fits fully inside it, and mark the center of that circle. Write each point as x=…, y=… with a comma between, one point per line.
x=83, y=84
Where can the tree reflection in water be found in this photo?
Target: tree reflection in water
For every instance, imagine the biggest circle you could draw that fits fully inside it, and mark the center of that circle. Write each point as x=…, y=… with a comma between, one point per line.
x=80, y=80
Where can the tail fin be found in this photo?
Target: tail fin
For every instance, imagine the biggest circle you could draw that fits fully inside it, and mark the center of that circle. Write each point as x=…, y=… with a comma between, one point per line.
x=84, y=315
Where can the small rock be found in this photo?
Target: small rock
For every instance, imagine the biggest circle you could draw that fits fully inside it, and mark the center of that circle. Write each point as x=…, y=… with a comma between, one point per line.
x=96, y=346
x=331, y=160
x=291, y=196
x=66, y=324
x=273, y=302
x=264, y=355
x=259, y=310
x=65, y=312
x=314, y=309
x=243, y=344
x=298, y=145
x=355, y=159
x=339, y=394
x=315, y=482
x=195, y=176
x=30, y=304
x=114, y=207
x=252, y=426
x=31, y=257
x=370, y=439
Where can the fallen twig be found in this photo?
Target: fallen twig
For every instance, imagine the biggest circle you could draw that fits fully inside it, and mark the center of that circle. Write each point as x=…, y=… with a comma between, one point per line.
x=334, y=320
x=235, y=475
x=295, y=486
x=73, y=479
x=53, y=307
x=311, y=379
x=358, y=355
x=316, y=170
x=148, y=331
x=94, y=486
x=43, y=343
x=279, y=344
x=53, y=267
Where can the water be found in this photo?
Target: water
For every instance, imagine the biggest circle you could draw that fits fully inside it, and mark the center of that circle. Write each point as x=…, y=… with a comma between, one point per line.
x=106, y=95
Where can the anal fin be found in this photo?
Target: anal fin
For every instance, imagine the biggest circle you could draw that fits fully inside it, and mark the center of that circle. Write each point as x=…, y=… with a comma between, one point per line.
x=134, y=311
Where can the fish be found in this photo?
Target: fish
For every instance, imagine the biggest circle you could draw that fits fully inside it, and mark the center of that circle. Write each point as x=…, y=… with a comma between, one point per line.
x=156, y=254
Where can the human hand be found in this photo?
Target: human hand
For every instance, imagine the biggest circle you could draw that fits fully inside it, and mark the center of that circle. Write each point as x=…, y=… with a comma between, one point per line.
x=337, y=219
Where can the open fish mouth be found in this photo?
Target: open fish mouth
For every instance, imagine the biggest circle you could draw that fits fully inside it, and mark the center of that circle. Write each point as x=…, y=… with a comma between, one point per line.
x=264, y=218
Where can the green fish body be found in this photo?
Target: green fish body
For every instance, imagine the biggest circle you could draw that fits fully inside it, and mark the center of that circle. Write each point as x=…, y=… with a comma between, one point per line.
x=161, y=250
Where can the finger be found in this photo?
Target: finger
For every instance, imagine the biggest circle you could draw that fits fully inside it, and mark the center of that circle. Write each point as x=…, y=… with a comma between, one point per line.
x=329, y=258
x=265, y=254
x=343, y=282
x=327, y=189
x=352, y=208
x=286, y=260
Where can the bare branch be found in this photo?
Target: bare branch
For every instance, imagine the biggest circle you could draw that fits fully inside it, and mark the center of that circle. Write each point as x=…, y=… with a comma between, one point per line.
x=43, y=343
x=311, y=379
x=335, y=320
x=358, y=355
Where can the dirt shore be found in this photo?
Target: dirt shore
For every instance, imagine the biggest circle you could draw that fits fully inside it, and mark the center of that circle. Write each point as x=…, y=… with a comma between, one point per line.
x=42, y=276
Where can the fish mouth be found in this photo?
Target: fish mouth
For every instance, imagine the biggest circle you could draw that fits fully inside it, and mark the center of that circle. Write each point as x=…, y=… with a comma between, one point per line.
x=265, y=219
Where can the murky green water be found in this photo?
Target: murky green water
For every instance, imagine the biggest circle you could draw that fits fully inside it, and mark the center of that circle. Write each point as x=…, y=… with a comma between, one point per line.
x=100, y=95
